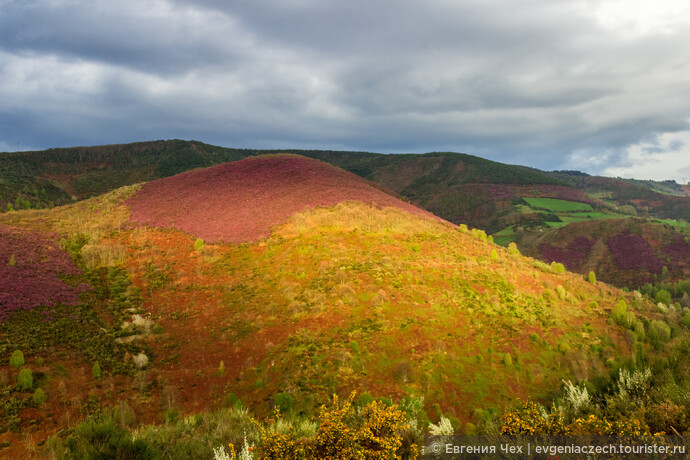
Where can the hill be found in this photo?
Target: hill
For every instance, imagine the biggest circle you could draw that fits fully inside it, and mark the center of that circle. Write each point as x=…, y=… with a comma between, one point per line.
x=624, y=252
x=56, y=176
x=240, y=201
x=341, y=295
x=513, y=203
x=59, y=176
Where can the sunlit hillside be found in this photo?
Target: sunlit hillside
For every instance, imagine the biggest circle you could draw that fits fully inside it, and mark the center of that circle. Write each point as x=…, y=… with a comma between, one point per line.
x=347, y=289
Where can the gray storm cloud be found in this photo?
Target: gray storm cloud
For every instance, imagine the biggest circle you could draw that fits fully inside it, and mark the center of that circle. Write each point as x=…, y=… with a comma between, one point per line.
x=540, y=83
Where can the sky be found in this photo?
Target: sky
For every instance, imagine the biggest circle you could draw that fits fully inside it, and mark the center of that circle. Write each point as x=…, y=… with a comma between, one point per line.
x=601, y=86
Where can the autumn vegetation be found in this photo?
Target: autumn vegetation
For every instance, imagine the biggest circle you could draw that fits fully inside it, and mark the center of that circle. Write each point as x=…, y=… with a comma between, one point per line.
x=338, y=322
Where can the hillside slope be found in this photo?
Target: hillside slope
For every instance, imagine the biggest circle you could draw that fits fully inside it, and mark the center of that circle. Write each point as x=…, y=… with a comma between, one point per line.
x=644, y=200
x=625, y=252
x=57, y=176
x=339, y=297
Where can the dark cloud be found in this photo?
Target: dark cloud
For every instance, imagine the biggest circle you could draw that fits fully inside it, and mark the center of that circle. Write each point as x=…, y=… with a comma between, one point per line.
x=149, y=36
x=539, y=82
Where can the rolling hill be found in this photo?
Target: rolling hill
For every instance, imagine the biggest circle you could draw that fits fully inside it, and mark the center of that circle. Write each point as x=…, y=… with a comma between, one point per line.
x=513, y=203
x=240, y=201
x=283, y=278
x=624, y=252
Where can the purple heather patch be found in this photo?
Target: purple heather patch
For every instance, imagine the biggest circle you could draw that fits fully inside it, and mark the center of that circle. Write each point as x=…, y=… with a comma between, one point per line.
x=679, y=249
x=572, y=255
x=31, y=265
x=631, y=252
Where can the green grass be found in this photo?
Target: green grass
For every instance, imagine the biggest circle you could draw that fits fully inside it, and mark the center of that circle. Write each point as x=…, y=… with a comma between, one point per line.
x=505, y=236
x=598, y=215
x=555, y=205
x=664, y=192
x=674, y=223
x=557, y=224
x=579, y=217
x=505, y=232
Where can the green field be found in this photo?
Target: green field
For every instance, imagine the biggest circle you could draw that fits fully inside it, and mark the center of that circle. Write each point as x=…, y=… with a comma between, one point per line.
x=675, y=223
x=578, y=217
x=556, y=205
x=567, y=211
x=505, y=236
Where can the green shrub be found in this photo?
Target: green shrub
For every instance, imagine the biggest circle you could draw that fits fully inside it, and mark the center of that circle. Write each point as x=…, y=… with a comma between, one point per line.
x=102, y=438
x=354, y=346
x=541, y=266
x=507, y=359
x=124, y=415
x=39, y=397
x=663, y=296
x=12, y=262
x=659, y=331
x=686, y=320
x=17, y=359
x=592, y=277
x=462, y=228
x=198, y=244
x=534, y=337
x=285, y=403
x=25, y=379
x=388, y=402
x=479, y=234
x=560, y=290
x=364, y=399
x=513, y=249
x=232, y=400
x=557, y=267
x=629, y=320
x=96, y=371
x=618, y=312
x=494, y=254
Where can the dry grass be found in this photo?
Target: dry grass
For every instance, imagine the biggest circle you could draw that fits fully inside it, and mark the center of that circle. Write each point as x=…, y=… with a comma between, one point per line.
x=104, y=254
x=94, y=217
x=352, y=215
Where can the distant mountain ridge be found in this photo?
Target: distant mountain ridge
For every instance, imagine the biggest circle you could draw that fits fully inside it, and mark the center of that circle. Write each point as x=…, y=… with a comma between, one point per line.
x=57, y=175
